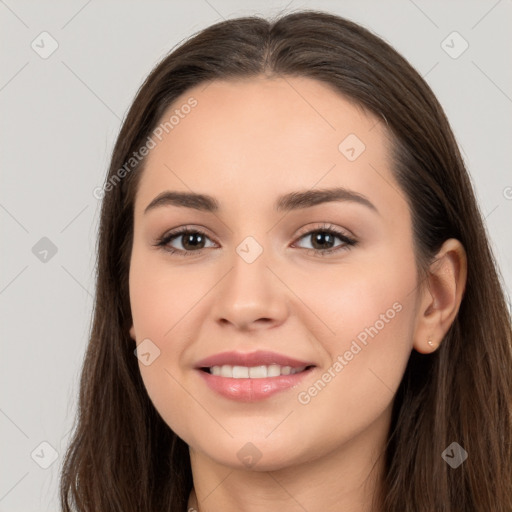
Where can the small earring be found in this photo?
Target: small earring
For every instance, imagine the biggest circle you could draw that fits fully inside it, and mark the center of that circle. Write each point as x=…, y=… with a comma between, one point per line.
x=430, y=342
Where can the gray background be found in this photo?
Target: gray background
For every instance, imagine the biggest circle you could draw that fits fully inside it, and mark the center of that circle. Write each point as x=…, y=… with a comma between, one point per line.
x=60, y=117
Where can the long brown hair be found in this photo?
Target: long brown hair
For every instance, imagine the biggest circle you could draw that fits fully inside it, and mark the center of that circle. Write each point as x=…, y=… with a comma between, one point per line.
x=123, y=457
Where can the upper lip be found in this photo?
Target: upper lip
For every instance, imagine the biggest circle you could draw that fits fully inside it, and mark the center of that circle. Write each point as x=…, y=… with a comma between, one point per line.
x=250, y=359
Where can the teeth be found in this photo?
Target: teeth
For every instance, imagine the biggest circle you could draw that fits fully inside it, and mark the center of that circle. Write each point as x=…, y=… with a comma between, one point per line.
x=253, y=372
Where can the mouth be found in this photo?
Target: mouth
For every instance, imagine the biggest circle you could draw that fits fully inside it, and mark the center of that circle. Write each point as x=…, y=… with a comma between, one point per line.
x=249, y=377
x=253, y=372
x=251, y=360
x=236, y=383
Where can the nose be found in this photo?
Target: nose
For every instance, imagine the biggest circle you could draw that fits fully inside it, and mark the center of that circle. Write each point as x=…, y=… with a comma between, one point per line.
x=251, y=296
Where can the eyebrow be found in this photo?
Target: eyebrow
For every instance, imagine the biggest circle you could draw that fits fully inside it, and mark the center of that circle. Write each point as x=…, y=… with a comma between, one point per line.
x=287, y=202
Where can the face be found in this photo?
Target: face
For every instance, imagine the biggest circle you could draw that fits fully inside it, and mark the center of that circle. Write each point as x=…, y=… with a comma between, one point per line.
x=328, y=285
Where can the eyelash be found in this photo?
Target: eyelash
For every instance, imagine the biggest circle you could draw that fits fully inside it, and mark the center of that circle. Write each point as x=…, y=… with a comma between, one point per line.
x=326, y=228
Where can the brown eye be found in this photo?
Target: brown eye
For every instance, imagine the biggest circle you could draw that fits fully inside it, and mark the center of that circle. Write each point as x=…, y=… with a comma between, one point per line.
x=322, y=240
x=192, y=241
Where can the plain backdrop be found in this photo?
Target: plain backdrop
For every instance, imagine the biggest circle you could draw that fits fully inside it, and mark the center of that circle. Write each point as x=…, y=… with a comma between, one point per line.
x=60, y=116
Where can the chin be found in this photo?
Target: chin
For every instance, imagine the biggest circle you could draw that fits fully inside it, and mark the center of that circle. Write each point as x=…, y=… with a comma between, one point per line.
x=255, y=454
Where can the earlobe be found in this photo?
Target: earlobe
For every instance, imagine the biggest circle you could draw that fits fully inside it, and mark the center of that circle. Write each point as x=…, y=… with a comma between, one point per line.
x=441, y=296
x=132, y=333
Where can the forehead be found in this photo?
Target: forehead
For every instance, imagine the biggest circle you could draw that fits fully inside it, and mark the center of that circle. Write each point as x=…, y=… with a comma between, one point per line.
x=265, y=136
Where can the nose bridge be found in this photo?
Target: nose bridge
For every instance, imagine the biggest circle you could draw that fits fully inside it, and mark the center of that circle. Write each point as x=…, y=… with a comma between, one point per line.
x=250, y=276
x=250, y=290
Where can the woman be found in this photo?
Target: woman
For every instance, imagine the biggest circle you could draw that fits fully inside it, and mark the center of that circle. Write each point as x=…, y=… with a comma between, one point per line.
x=373, y=374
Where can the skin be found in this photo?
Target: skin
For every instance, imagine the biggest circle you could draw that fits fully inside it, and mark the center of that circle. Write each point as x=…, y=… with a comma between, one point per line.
x=245, y=143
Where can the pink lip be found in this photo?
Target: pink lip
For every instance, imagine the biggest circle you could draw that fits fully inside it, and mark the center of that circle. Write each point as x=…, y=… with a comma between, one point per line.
x=247, y=389
x=258, y=358
x=251, y=390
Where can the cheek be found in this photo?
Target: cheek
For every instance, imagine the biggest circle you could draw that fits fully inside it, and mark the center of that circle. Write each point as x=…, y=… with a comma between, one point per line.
x=160, y=296
x=162, y=304
x=369, y=312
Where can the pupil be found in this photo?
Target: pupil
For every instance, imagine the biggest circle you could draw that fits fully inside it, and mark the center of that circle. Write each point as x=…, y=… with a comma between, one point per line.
x=189, y=240
x=322, y=238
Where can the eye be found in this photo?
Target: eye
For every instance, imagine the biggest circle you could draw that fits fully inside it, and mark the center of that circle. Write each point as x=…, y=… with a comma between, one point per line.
x=193, y=240
x=322, y=238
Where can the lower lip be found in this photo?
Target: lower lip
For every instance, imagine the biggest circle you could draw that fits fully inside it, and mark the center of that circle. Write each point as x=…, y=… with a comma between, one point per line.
x=251, y=390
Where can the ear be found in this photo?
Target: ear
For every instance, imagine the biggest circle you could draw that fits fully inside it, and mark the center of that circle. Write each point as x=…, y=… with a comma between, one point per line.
x=440, y=296
x=132, y=333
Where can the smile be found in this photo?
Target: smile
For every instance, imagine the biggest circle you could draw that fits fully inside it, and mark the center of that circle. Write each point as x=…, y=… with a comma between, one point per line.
x=246, y=388
x=253, y=372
